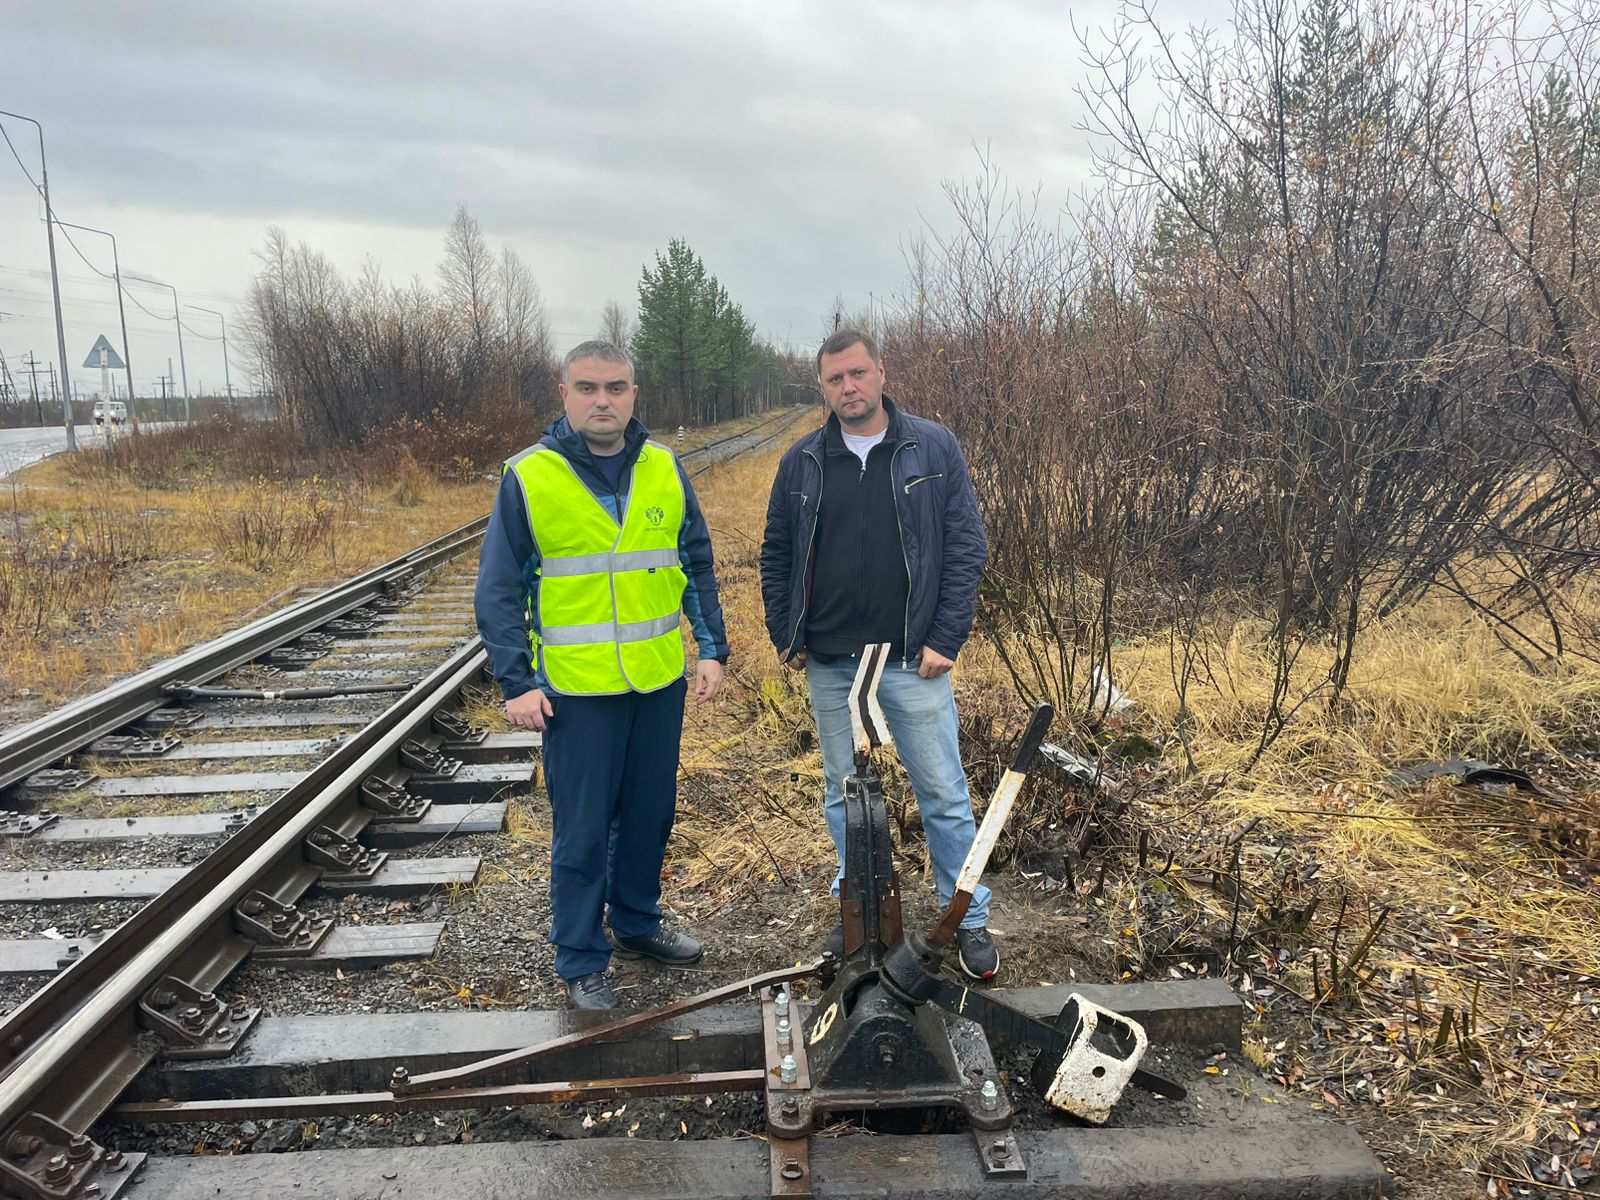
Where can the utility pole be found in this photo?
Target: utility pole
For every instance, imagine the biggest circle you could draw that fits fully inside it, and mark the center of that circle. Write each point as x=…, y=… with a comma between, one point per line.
x=183, y=366
x=8, y=385
x=116, y=272
x=33, y=372
x=226, y=375
x=55, y=279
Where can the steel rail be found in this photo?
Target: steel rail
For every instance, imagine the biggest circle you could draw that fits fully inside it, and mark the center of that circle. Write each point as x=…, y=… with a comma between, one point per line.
x=788, y=417
x=83, y=1023
x=360, y=1104
x=34, y=746
x=743, y=450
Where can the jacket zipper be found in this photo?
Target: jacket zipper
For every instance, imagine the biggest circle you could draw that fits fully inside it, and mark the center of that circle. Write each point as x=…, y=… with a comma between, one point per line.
x=811, y=544
x=905, y=644
x=861, y=542
x=611, y=578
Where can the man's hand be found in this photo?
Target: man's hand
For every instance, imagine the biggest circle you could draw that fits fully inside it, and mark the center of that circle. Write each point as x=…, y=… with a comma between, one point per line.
x=934, y=664
x=707, y=680
x=531, y=710
x=797, y=662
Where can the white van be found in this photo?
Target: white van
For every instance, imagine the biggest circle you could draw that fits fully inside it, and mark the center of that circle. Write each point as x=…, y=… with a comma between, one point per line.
x=114, y=411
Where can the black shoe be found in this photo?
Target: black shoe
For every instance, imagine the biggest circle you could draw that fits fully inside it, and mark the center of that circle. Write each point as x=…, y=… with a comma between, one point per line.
x=591, y=992
x=665, y=946
x=834, y=943
x=977, y=953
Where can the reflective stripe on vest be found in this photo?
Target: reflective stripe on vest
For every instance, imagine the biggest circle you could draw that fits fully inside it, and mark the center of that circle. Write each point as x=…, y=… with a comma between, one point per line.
x=610, y=594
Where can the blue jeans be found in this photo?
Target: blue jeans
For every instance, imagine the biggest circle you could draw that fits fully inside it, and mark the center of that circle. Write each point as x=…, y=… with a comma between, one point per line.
x=922, y=719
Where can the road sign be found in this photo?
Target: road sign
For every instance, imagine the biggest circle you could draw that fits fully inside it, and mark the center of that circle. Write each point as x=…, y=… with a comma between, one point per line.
x=102, y=355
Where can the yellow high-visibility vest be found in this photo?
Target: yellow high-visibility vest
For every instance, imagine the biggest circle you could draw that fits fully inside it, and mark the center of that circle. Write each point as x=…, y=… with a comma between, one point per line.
x=610, y=595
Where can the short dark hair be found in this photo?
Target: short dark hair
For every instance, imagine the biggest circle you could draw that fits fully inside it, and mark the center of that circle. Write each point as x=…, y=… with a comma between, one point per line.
x=604, y=351
x=842, y=339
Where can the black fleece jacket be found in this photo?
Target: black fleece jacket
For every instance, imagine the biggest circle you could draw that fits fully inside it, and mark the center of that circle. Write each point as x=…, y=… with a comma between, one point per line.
x=859, y=584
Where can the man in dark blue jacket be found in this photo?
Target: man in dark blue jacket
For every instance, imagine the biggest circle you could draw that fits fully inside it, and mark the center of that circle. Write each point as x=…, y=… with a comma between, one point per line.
x=611, y=733
x=873, y=535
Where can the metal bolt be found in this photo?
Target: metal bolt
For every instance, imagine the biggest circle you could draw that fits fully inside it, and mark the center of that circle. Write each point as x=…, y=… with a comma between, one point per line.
x=207, y=1001
x=91, y=1189
x=74, y=950
x=999, y=1148
x=79, y=1148
x=192, y=1018
x=792, y=1169
x=239, y=1011
x=113, y=1159
x=788, y=1070
x=785, y=1035
x=887, y=1054
x=780, y=1006
x=399, y=1080
x=790, y=1110
x=280, y=920
x=24, y=1145
x=252, y=908
x=163, y=998
x=990, y=1096
x=57, y=1170
x=223, y=1033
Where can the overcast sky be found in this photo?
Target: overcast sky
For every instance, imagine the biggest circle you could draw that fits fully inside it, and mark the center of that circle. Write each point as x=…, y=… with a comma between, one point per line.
x=795, y=146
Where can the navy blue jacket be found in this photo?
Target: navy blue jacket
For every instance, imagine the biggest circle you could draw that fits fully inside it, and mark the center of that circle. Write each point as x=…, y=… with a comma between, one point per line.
x=507, y=597
x=941, y=533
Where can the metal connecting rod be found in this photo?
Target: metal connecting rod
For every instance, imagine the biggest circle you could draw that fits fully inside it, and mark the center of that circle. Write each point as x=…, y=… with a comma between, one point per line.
x=456, y=1076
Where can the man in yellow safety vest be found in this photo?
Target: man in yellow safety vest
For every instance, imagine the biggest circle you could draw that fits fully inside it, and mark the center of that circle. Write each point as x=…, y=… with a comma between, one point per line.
x=595, y=550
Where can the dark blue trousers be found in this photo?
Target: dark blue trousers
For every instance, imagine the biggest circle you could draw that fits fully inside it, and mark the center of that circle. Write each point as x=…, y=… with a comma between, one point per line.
x=611, y=771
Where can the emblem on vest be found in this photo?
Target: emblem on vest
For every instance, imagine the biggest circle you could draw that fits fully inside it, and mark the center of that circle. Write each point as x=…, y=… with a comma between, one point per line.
x=655, y=515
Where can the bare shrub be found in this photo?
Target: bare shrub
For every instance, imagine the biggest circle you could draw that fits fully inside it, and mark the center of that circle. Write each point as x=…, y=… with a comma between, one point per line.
x=458, y=447
x=174, y=458
x=1293, y=364
x=57, y=565
x=270, y=524
x=347, y=358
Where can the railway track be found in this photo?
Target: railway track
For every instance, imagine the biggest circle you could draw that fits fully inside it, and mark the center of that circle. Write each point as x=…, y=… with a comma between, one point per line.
x=279, y=938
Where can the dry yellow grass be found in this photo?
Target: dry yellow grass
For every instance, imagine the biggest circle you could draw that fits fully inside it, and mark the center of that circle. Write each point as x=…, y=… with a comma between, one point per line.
x=185, y=588
x=1494, y=899
x=1482, y=913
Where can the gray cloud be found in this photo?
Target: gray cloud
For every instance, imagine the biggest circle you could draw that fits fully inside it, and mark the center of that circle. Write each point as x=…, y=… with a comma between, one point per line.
x=793, y=145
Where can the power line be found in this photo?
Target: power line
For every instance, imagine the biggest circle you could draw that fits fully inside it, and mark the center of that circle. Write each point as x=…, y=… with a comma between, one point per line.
x=18, y=157
x=104, y=304
x=36, y=273
x=122, y=287
x=79, y=321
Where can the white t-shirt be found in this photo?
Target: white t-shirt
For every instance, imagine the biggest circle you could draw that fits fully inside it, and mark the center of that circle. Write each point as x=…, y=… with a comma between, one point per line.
x=861, y=444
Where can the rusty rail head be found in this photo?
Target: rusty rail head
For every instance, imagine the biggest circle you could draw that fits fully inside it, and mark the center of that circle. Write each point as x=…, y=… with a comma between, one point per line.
x=355, y=1104
x=455, y=1076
